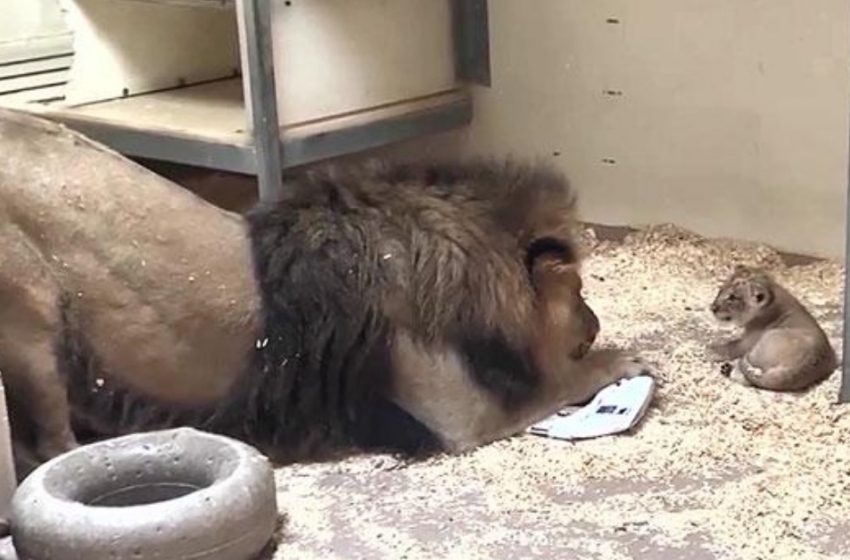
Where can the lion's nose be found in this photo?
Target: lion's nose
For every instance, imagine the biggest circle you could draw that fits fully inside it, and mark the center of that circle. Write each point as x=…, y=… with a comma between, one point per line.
x=715, y=308
x=592, y=327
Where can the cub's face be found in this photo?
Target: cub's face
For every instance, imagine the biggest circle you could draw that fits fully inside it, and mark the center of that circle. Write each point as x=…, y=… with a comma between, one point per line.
x=742, y=297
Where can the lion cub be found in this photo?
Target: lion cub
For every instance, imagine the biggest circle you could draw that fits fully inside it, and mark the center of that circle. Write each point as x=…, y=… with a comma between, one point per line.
x=782, y=347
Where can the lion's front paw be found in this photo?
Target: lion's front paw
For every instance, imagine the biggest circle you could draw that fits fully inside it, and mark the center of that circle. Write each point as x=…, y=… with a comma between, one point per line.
x=719, y=352
x=632, y=365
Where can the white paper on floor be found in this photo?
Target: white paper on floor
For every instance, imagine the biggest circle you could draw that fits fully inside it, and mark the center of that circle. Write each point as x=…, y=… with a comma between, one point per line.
x=615, y=409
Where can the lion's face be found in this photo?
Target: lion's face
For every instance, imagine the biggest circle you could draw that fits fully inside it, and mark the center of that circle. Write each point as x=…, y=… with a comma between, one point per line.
x=585, y=323
x=559, y=285
x=742, y=297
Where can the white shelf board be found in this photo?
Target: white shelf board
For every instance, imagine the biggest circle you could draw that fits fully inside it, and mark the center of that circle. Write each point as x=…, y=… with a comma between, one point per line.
x=213, y=111
x=206, y=125
x=214, y=4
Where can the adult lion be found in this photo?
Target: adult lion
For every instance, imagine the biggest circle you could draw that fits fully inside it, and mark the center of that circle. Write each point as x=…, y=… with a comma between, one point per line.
x=433, y=306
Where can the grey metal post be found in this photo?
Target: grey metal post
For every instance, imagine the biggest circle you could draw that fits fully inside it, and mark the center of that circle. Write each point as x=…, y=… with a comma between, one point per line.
x=844, y=392
x=471, y=33
x=260, y=74
x=8, y=480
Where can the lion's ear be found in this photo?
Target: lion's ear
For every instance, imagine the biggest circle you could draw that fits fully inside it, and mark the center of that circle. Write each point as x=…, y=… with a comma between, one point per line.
x=551, y=248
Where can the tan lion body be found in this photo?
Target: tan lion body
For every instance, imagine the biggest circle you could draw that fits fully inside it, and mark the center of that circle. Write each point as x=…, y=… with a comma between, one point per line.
x=139, y=256
x=163, y=290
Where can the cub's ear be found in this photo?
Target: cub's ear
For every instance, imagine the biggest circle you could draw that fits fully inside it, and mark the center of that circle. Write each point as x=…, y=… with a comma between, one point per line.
x=761, y=294
x=741, y=271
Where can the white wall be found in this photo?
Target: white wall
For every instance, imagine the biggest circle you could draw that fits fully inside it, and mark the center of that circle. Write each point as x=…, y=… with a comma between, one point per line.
x=733, y=118
x=26, y=19
x=35, y=50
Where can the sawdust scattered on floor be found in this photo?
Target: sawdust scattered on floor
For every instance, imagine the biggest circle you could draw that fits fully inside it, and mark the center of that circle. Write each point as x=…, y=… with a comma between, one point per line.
x=715, y=470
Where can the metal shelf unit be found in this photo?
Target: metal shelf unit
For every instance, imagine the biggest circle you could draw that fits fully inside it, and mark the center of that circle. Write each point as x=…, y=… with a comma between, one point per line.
x=232, y=124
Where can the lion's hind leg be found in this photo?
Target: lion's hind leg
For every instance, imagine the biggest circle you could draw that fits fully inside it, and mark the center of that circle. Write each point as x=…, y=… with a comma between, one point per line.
x=783, y=360
x=30, y=323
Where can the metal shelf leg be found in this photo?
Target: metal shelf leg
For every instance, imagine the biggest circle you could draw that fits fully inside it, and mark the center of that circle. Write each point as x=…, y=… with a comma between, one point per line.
x=260, y=73
x=844, y=391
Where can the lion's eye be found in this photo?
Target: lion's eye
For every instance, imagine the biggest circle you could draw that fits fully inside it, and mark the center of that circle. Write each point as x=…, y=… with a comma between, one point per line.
x=732, y=297
x=552, y=247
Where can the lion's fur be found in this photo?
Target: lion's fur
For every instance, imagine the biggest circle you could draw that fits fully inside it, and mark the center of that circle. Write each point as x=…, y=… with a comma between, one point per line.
x=353, y=254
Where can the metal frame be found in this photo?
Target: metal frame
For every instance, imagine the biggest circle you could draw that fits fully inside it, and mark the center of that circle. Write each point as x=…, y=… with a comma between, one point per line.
x=296, y=150
x=471, y=32
x=270, y=151
x=844, y=391
x=315, y=147
x=137, y=143
x=472, y=60
x=8, y=474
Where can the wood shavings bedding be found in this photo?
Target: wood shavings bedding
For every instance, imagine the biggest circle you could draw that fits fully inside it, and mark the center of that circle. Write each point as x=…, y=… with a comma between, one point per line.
x=716, y=470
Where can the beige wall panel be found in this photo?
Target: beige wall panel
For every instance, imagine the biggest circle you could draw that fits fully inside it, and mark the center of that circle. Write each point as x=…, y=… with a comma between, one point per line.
x=732, y=118
x=144, y=46
x=336, y=56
